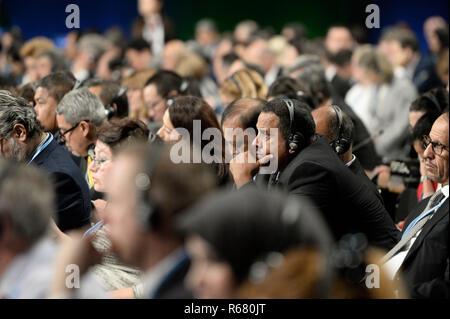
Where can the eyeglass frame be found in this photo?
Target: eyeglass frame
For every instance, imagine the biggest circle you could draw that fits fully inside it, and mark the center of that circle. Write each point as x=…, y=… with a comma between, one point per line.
x=62, y=136
x=425, y=144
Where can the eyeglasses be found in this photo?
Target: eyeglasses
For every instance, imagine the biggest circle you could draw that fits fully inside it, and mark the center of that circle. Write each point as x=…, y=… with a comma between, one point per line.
x=62, y=135
x=437, y=147
x=98, y=162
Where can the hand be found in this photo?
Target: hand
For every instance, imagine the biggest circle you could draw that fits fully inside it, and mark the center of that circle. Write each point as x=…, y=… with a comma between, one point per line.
x=244, y=166
x=77, y=251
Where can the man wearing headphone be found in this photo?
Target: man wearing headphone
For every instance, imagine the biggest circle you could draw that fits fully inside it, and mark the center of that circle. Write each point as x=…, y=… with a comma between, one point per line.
x=307, y=166
x=338, y=128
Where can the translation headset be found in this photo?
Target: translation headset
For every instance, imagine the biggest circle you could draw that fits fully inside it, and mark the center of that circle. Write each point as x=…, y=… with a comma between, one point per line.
x=4, y=174
x=148, y=211
x=340, y=145
x=295, y=140
x=109, y=109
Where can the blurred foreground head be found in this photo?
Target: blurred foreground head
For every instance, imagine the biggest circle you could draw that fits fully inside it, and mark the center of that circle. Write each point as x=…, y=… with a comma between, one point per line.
x=147, y=189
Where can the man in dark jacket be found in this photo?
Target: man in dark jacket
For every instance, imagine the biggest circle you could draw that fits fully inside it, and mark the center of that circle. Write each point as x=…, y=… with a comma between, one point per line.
x=23, y=140
x=307, y=166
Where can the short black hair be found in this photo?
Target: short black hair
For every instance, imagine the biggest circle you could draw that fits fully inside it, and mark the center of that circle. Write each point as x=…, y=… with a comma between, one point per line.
x=246, y=109
x=290, y=88
x=229, y=58
x=138, y=44
x=423, y=126
x=303, y=121
x=111, y=92
x=341, y=58
x=433, y=101
x=165, y=82
x=57, y=84
x=314, y=78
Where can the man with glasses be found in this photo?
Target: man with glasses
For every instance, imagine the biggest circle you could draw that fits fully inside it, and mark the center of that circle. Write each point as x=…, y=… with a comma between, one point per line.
x=23, y=139
x=79, y=114
x=422, y=255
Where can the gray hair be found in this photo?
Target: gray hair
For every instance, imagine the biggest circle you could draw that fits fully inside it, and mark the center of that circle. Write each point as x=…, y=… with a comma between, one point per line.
x=58, y=60
x=81, y=105
x=16, y=110
x=26, y=200
x=93, y=44
x=303, y=61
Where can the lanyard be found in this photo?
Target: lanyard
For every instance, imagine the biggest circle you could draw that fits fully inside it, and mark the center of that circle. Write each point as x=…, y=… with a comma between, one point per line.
x=38, y=151
x=415, y=221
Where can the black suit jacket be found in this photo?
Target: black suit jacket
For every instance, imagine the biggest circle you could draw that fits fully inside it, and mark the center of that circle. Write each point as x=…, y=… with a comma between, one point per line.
x=357, y=169
x=425, y=76
x=72, y=192
x=173, y=286
x=347, y=204
x=340, y=86
x=425, y=268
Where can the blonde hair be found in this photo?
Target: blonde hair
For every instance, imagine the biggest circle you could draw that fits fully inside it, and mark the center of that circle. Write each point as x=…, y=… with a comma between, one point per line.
x=34, y=47
x=137, y=81
x=191, y=65
x=373, y=60
x=244, y=84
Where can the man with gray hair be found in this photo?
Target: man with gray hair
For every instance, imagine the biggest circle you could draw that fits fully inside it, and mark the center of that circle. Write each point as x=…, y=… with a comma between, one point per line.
x=26, y=251
x=79, y=114
x=23, y=139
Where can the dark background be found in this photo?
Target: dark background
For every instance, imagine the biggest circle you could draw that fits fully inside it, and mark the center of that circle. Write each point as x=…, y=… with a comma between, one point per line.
x=47, y=17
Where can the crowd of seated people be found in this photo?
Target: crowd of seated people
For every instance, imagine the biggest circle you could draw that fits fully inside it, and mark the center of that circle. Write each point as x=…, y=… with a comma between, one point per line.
x=237, y=165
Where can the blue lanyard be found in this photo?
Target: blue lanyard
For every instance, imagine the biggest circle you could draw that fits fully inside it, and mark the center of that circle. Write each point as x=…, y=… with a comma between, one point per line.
x=418, y=218
x=47, y=142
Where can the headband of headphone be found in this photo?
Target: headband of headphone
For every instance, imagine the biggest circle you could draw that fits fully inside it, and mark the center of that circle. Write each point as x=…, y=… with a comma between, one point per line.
x=295, y=140
x=340, y=145
x=148, y=212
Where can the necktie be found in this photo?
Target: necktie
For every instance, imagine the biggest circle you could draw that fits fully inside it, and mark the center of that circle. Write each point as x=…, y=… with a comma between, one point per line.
x=434, y=200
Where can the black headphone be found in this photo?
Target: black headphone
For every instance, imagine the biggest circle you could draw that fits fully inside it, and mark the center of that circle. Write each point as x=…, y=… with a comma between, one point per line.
x=110, y=111
x=233, y=78
x=295, y=140
x=340, y=145
x=147, y=210
x=4, y=174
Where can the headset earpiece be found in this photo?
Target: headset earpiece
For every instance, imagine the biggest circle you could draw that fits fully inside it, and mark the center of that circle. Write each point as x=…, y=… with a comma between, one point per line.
x=148, y=211
x=340, y=145
x=295, y=140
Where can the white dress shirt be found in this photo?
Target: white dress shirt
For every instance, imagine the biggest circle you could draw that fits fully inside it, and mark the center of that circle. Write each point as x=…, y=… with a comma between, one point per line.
x=393, y=265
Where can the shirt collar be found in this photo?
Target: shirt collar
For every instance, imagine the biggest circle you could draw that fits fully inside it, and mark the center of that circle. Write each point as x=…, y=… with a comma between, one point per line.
x=445, y=191
x=348, y=164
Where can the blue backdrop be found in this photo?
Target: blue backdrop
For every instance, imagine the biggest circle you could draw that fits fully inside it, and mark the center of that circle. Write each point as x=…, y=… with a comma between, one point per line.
x=47, y=17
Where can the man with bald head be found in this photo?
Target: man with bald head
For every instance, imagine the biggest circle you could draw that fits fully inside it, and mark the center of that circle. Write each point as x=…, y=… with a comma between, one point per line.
x=422, y=256
x=338, y=129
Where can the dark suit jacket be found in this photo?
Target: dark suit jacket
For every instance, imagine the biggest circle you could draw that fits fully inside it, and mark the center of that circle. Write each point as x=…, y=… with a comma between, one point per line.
x=340, y=86
x=357, y=169
x=347, y=204
x=425, y=76
x=72, y=192
x=173, y=286
x=425, y=268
